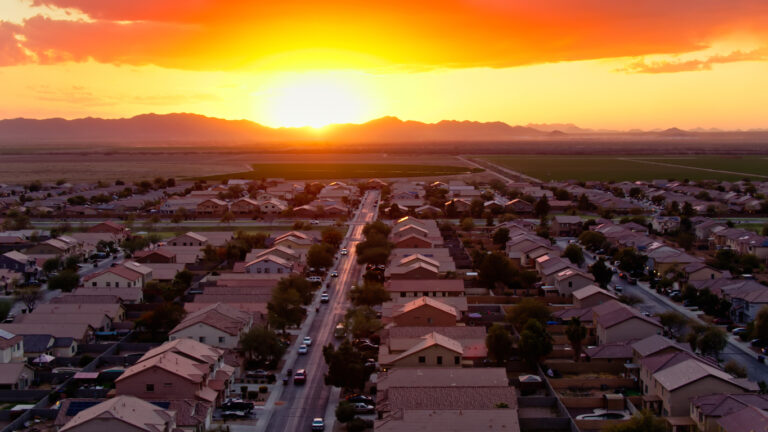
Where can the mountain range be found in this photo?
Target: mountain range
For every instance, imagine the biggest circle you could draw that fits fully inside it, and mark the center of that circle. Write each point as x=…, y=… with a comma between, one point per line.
x=183, y=128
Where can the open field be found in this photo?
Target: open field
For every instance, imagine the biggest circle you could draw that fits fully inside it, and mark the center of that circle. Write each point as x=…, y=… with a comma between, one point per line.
x=620, y=168
x=307, y=171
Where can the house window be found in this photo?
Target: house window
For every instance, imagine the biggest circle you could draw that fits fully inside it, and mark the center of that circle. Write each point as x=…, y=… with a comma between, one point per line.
x=439, y=360
x=150, y=388
x=221, y=339
x=117, y=284
x=279, y=270
x=456, y=360
x=429, y=320
x=402, y=294
x=108, y=283
x=266, y=270
x=93, y=283
x=258, y=269
x=201, y=339
x=570, y=284
x=422, y=359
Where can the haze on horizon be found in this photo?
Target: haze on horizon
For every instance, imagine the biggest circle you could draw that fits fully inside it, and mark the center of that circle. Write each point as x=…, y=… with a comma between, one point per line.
x=616, y=65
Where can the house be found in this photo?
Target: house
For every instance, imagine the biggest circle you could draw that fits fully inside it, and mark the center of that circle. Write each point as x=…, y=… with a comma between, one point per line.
x=436, y=257
x=428, y=211
x=747, y=298
x=20, y=263
x=665, y=224
x=179, y=369
x=674, y=386
x=79, y=332
x=117, y=277
x=295, y=240
x=425, y=311
x=269, y=264
x=110, y=227
x=188, y=239
x=745, y=420
x=707, y=410
x=566, y=226
x=60, y=246
x=129, y=295
x=278, y=251
x=519, y=206
x=245, y=207
x=570, y=280
x=414, y=267
x=395, y=305
x=11, y=347
x=616, y=322
x=122, y=414
x=272, y=206
x=591, y=295
x=697, y=271
x=15, y=376
x=413, y=241
x=218, y=325
x=435, y=350
x=426, y=288
x=654, y=345
x=212, y=207
x=157, y=256
x=114, y=311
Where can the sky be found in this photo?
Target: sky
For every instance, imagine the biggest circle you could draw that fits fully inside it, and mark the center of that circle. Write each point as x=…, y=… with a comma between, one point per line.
x=593, y=63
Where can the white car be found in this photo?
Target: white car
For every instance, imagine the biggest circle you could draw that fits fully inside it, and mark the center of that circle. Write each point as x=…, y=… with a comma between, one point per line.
x=334, y=274
x=324, y=297
x=318, y=424
x=315, y=222
x=303, y=349
x=307, y=341
x=344, y=251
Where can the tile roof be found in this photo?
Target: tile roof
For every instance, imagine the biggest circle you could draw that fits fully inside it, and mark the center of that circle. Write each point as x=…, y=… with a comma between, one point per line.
x=503, y=420
x=655, y=343
x=718, y=405
x=430, y=340
x=219, y=316
x=449, y=398
x=691, y=370
x=10, y=373
x=37, y=343
x=442, y=377
x=76, y=331
x=749, y=419
x=614, y=350
x=140, y=415
x=425, y=285
x=171, y=362
x=591, y=290
x=425, y=301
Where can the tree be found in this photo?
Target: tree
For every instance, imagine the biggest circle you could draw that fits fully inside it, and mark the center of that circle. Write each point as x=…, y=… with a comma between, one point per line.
x=631, y=260
x=51, y=265
x=284, y=309
x=541, y=209
x=574, y=254
x=761, y=325
x=161, y=320
x=345, y=412
x=643, y=422
x=346, y=366
x=361, y=322
x=332, y=236
x=674, y=323
x=227, y=217
x=262, y=345
x=535, y=342
x=602, y=273
x=5, y=309
x=576, y=332
x=736, y=369
x=29, y=296
x=467, y=224
x=499, y=343
x=494, y=268
x=320, y=256
x=368, y=294
x=501, y=236
x=712, y=341
x=15, y=220
x=298, y=283
x=66, y=281
x=592, y=240
x=528, y=309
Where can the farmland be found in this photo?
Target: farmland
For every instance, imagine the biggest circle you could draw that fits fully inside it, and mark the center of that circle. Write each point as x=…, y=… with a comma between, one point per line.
x=307, y=171
x=620, y=168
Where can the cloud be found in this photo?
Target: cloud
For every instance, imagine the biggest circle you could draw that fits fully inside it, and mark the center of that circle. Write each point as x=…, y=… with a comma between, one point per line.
x=665, y=66
x=415, y=35
x=11, y=52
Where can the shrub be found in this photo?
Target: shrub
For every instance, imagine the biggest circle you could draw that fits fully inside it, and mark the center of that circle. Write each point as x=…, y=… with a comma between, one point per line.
x=253, y=395
x=263, y=389
x=359, y=425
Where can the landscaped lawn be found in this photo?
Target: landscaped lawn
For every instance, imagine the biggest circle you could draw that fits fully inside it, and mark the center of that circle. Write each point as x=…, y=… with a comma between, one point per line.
x=307, y=171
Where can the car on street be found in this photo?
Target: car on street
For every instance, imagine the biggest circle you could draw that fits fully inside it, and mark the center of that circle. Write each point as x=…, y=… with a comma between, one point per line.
x=300, y=377
x=362, y=408
x=738, y=330
x=334, y=274
x=618, y=289
x=258, y=373
x=324, y=298
x=318, y=424
x=307, y=341
x=358, y=398
x=315, y=222
x=237, y=405
x=344, y=252
x=303, y=349
x=631, y=281
x=315, y=279
x=234, y=414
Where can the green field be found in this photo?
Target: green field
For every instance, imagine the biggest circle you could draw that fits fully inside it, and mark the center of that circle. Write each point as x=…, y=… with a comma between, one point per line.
x=620, y=168
x=312, y=171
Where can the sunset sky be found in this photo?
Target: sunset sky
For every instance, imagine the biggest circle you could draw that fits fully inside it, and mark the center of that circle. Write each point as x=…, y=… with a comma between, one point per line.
x=595, y=63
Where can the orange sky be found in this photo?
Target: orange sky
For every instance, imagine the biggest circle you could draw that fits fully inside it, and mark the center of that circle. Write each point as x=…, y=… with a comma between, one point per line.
x=596, y=63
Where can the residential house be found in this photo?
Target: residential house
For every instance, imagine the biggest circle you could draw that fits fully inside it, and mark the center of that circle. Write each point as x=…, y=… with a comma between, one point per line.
x=114, y=277
x=707, y=410
x=15, y=376
x=413, y=241
x=395, y=305
x=566, y=226
x=435, y=350
x=519, y=206
x=156, y=256
x=425, y=287
x=11, y=347
x=425, y=311
x=570, y=280
x=665, y=224
x=60, y=246
x=245, y=207
x=188, y=239
x=269, y=264
x=656, y=344
x=295, y=240
x=20, y=263
x=212, y=207
x=591, y=295
x=110, y=227
x=747, y=419
x=616, y=322
x=217, y=324
x=698, y=270
x=122, y=414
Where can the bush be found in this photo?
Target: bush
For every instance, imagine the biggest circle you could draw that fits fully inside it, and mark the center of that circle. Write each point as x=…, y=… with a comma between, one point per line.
x=359, y=425
x=736, y=369
x=344, y=412
x=263, y=389
x=253, y=395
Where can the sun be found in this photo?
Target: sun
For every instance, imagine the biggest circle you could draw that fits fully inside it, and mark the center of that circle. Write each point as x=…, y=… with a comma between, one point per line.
x=312, y=100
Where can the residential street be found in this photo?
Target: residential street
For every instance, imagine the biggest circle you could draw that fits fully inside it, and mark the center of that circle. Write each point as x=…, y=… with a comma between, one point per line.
x=293, y=407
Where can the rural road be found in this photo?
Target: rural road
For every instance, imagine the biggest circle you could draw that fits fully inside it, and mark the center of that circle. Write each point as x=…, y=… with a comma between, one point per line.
x=692, y=168
x=499, y=171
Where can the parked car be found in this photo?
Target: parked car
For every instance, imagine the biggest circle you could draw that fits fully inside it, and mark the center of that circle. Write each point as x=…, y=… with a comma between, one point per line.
x=344, y=252
x=315, y=279
x=631, y=281
x=362, y=408
x=307, y=341
x=324, y=298
x=738, y=330
x=258, y=373
x=234, y=414
x=315, y=222
x=300, y=377
x=358, y=398
x=318, y=424
x=303, y=349
x=618, y=289
x=237, y=405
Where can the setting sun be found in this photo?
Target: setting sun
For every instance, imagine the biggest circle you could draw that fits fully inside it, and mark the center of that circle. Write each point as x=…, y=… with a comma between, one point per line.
x=315, y=101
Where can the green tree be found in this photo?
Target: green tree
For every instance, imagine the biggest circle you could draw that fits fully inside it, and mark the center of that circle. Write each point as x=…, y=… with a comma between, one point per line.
x=284, y=309
x=735, y=368
x=332, y=236
x=5, y=309
x=320, y=256
x=467, y=224
x=361, y=322
x=345, y=412
x=161, y=320
x=51, y=265
x=66, y=281
x=299, y=284
x=262, y=345
x=501, y=236
x=494, y=268
x=592, y=240
x=368, y=294
x=346, y=366
x=528, y=309
x=674, y=323
x=602, y=273
x=712, y=341
x=499, y=343
x=535, y=342
x=631, y=260
x=645, y=421
x=541, y=209
x=761, y=325
x=227, y=217
x=574, y=254
x=576, y=332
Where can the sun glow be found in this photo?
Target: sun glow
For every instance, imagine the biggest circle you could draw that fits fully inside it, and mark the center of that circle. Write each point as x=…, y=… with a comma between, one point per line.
x=312, y=100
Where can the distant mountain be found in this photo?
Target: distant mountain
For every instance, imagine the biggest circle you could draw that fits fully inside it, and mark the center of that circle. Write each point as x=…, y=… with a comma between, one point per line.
x=193, y=127
x=561, y=127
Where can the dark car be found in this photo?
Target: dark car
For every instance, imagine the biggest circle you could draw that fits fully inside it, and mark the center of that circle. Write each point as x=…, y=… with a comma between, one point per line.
x=631, y=281
x=300, y=377
x=237, y=405
x=360, y=398
x=722, y=321
x=258, y=373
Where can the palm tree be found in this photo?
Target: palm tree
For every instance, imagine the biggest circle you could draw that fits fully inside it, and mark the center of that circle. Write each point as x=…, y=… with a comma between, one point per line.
x=576, y=333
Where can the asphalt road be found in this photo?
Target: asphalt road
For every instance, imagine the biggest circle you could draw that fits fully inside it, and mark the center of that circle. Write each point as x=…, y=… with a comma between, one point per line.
x=299, y=404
